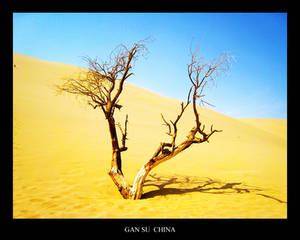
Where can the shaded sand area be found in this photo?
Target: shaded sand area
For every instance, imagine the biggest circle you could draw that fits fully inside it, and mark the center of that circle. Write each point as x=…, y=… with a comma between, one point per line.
x=62, y=152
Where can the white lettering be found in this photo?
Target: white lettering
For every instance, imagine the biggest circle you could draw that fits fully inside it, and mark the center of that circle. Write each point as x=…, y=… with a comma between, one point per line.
x=164, y=229
x=131, y=229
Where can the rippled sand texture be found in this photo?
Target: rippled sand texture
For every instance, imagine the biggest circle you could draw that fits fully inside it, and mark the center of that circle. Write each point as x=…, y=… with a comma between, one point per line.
x=61, y=156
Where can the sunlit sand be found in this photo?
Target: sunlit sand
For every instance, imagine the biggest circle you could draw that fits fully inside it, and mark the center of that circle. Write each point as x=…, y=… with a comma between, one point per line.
x=62, y=153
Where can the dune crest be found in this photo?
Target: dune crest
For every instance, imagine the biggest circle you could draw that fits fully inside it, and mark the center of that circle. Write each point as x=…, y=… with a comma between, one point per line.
x=61, y=156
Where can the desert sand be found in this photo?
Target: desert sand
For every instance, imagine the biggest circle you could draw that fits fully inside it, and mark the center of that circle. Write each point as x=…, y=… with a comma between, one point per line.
x=62, y=153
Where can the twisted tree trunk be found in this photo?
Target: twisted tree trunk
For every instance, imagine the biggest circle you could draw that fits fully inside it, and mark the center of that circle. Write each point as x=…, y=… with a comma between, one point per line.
x=116, y=162
x=161, y=155
x=137, y=188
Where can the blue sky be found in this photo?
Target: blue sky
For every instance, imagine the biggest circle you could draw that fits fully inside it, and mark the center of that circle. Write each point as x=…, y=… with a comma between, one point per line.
x=255, y=87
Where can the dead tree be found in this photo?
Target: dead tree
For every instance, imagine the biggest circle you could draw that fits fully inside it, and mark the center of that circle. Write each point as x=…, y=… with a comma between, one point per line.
x=103, y=83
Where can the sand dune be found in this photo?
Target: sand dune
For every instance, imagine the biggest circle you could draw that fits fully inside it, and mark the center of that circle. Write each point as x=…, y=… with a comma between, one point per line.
x=61, y=156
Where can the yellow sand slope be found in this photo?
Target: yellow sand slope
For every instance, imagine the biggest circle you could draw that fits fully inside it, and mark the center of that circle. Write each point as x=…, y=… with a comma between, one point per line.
x=61, y=156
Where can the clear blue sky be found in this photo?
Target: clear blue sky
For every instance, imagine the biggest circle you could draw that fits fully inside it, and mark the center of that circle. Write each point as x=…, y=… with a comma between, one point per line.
x=256, y=86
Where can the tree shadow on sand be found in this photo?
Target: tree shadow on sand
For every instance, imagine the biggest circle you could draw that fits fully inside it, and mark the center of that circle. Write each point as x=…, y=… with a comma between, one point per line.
x=196, y=184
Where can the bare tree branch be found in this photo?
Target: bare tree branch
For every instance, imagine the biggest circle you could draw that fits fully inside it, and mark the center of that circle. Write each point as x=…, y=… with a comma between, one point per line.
x=124, y=134
x=199, y=73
